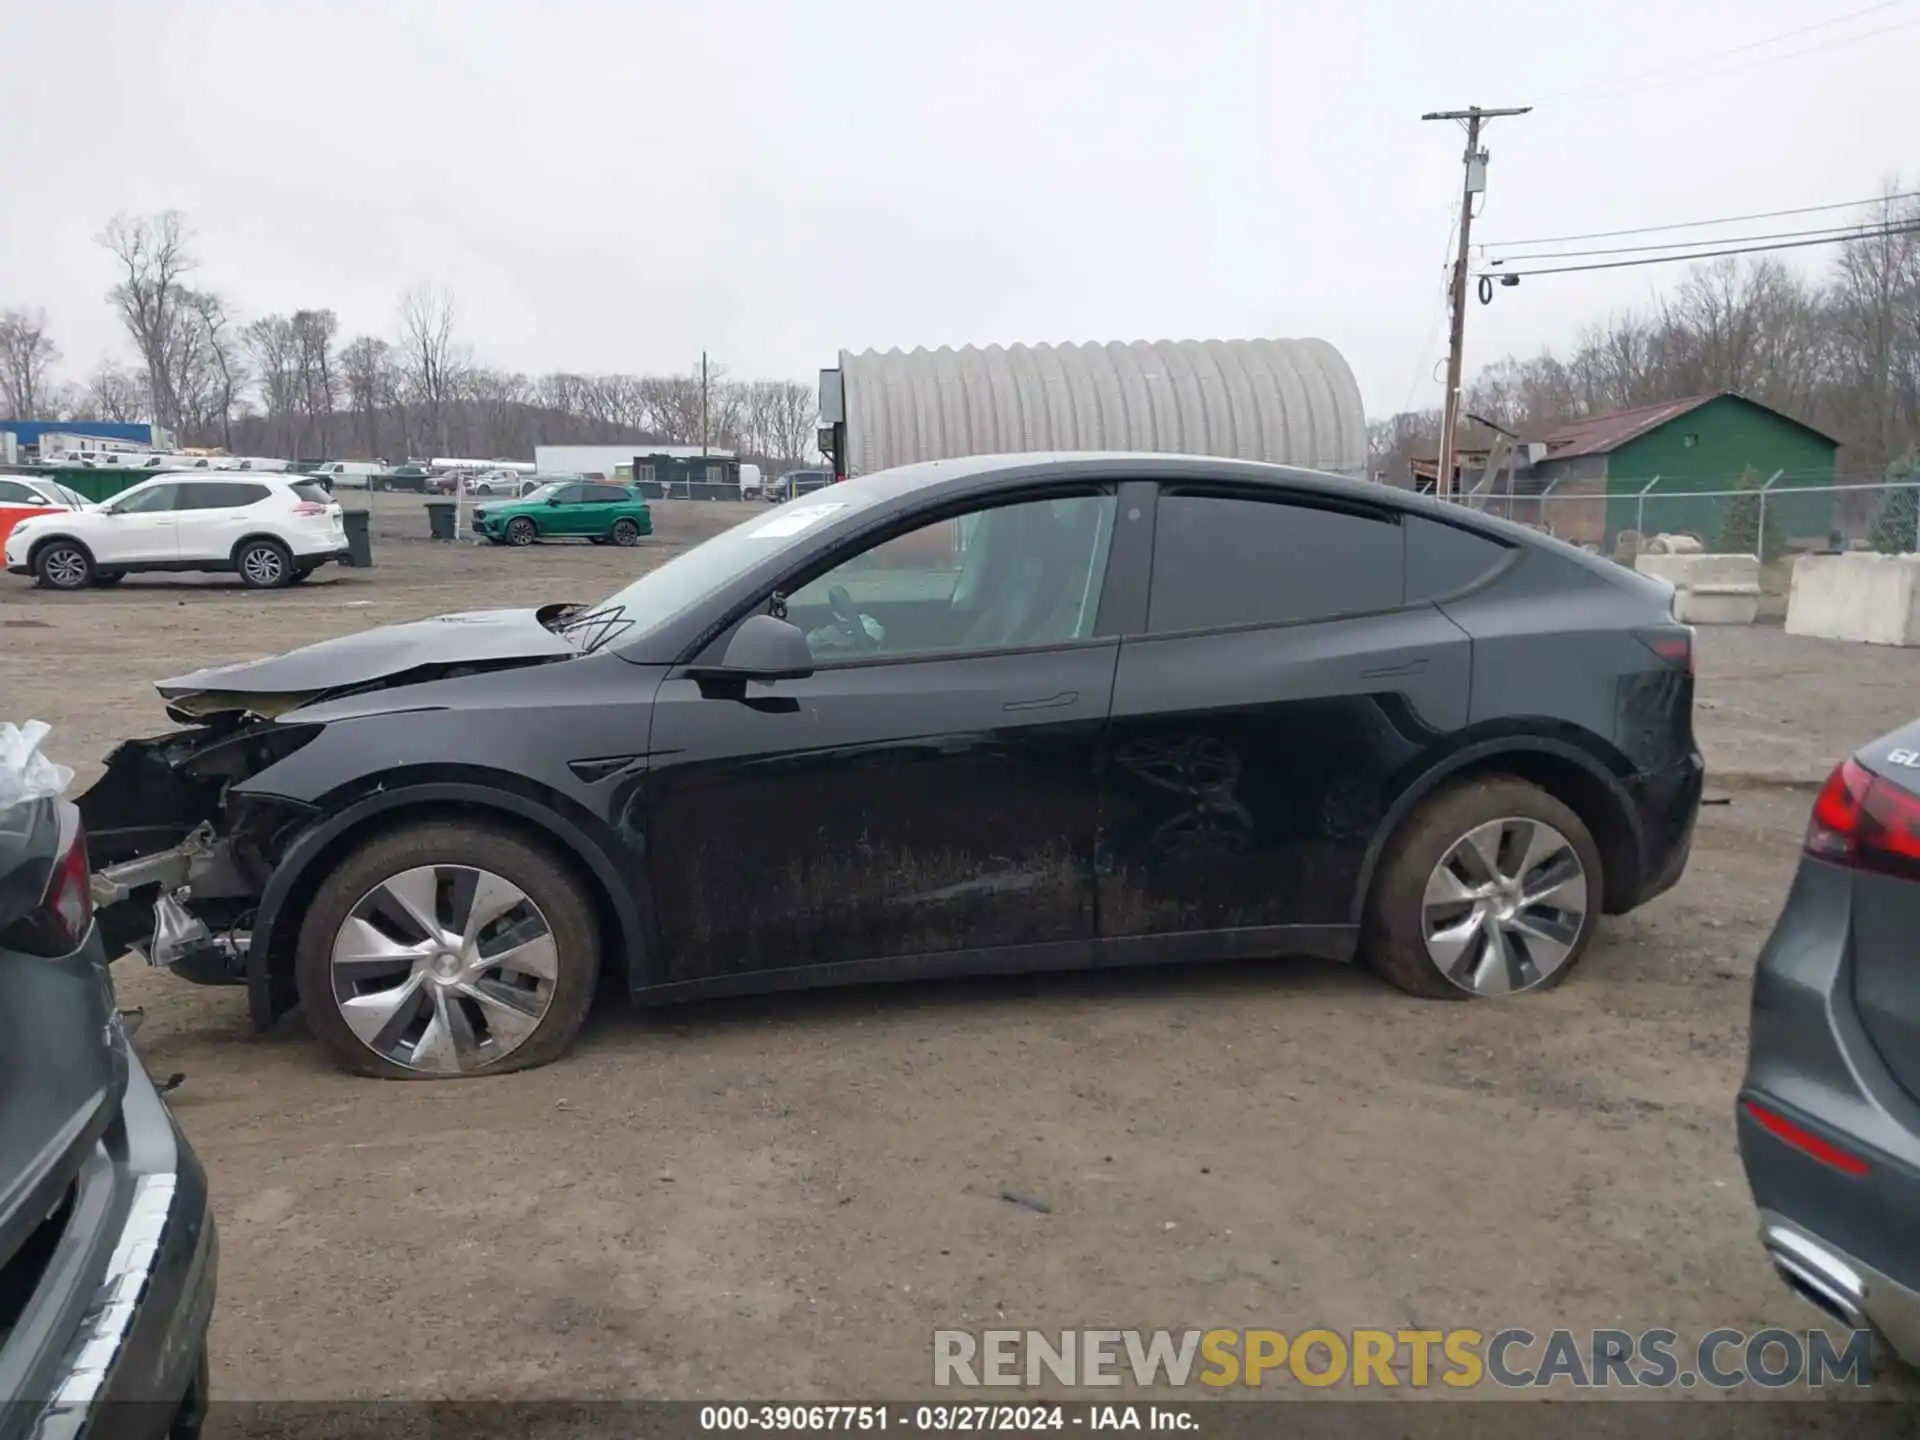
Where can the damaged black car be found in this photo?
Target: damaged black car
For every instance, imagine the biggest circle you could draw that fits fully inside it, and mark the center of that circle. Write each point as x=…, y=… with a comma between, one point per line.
x=984, y=715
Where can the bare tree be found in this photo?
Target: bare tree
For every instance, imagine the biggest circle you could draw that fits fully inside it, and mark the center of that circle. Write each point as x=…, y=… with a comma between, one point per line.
x=155, y=256
x=370, y=383
x=27, y=354
x=275, y=352
x=429, y=358
x=316, y=372
x=223, y=369
x=113, y=393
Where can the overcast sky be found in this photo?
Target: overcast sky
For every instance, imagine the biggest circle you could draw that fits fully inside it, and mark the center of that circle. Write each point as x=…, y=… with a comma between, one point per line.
x=616, y=186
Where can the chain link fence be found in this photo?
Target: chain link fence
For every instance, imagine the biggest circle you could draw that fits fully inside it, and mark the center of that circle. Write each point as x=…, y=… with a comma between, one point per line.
x=1771, y=518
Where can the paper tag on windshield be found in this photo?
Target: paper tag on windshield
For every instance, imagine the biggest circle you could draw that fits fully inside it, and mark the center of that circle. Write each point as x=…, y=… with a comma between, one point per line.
x=785, y=527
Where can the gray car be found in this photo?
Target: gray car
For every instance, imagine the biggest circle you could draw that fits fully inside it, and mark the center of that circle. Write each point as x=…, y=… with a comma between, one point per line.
x=1829, y=1115
x=107, y=1249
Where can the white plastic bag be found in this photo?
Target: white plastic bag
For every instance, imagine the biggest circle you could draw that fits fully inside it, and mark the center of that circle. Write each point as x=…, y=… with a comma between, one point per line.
x=26, y=774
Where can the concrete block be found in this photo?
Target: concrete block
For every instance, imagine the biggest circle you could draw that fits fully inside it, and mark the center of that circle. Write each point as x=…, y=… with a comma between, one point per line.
x=1865, y=597
x=1708, y=589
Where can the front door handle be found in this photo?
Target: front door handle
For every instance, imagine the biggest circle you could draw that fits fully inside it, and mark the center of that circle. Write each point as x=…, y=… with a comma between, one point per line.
x=1051, y=702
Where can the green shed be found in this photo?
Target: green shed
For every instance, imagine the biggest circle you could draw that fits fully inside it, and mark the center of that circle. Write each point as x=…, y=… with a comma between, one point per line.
x=1669, y=466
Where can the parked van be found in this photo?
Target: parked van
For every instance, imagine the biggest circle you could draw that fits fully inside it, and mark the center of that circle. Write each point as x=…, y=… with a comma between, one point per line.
x=347, y=474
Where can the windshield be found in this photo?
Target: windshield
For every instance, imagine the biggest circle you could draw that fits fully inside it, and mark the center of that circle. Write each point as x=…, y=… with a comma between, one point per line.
x=544, y=492
x=711, y=566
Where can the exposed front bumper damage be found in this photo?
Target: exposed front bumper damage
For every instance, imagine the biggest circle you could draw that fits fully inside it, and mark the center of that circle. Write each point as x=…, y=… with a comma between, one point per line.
x=181, y=860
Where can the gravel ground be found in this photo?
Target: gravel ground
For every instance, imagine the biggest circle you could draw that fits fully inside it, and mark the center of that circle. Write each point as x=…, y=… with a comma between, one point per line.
x=786, y=1196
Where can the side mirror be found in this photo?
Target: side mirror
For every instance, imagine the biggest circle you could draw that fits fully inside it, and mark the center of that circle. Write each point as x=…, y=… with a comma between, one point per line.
x=763, y=648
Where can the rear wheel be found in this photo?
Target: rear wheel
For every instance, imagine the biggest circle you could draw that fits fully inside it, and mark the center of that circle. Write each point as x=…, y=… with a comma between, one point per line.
x=625, y=532
x=1491, y=887
x=522, y=531
x=443, y=950
x=63, y=565
x=264, y=565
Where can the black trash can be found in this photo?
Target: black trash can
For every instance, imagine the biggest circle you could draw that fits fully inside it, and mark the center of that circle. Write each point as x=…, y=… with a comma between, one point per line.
x=359, y=539
x=440, y=519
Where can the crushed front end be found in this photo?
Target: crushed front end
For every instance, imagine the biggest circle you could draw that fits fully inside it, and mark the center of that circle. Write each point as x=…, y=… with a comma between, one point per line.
x=180, y=858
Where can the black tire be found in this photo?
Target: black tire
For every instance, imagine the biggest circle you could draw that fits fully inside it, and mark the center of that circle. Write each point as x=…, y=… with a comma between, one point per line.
x=112, y=578
x=263, y=565
x=64, y=565
x=543, y=879
x=1393, y=941
x=521, y=531
x=625, y=533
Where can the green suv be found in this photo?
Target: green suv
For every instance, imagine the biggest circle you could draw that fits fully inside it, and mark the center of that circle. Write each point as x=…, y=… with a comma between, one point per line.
x=584, y=508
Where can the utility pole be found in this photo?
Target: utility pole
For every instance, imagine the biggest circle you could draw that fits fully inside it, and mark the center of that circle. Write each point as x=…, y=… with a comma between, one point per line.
x=1475, y=183
x=703, y=402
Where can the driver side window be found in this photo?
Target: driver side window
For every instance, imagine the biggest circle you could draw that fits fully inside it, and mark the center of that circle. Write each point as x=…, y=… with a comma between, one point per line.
x=1014, y=575
x=148, y=502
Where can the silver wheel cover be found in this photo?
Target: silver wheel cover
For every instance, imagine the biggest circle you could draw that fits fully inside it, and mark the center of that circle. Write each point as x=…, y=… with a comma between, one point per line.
x=444, y=968
x=263, y=565
x=1504, y=907
x=65, y=568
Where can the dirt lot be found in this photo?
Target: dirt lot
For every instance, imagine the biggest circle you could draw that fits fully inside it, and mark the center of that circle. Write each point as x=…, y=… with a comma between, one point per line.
x=784, y=1197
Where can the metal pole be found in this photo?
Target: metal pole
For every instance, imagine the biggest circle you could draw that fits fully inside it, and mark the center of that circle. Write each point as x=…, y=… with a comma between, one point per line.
x=1543, y=502
x=1760, y=533
x=1474, y=182
x=1640, y=507
x=703, y=402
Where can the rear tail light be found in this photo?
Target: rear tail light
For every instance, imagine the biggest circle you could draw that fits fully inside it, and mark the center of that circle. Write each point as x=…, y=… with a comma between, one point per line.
x=60, y=924
x=1672, y=643
x=1805, y=1141
x=310, y=507
x=1862, y=821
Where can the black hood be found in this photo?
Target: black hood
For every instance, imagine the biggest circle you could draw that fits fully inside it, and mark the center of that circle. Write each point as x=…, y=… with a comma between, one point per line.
x=407, y=653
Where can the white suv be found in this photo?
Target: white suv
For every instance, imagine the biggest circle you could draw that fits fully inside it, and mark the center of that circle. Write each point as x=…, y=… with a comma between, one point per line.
x=270, y=530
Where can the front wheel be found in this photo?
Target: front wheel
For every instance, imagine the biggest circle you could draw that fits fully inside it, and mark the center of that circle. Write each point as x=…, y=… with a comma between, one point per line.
x=522, y=532
x=443, y=950
x=1491, y=887
x=625, y=533
x=264, y=565
x=64, y=565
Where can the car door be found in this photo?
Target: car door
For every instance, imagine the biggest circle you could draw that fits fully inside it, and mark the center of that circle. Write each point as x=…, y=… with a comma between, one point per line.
x=1281, y=694
x=600, y=507
x=140, y=528
x=214, y=515
x=929, y=794
x=568, y=512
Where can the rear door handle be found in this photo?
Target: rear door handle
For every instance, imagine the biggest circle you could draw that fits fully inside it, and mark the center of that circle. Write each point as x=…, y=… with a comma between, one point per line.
x=1388, y=672
x=1051, y=702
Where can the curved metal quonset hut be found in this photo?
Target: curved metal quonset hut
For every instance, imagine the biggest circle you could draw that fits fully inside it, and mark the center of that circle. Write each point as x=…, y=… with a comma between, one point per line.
x=1291, y=402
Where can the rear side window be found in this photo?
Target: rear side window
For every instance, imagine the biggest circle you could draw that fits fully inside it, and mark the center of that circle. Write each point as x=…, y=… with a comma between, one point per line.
x=1443, y=559
x=311, y=492
x=1224, y=560
x=608, y=494
x=219, y=495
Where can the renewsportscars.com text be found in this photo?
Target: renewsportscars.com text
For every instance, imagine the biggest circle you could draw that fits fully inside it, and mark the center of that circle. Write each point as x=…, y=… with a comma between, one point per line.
x=1411, y=1359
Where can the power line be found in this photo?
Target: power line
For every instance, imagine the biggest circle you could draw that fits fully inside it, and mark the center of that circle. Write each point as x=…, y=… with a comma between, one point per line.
x=1743, y=66
x=1704, y=224
x=1829, y=232
x=1690, y=67
x=1709, y=254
